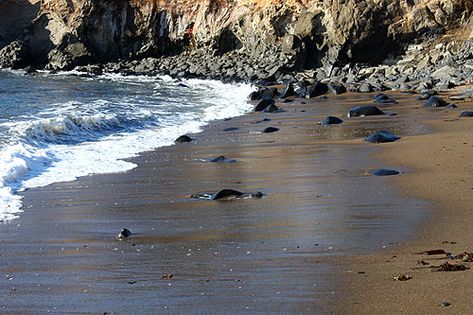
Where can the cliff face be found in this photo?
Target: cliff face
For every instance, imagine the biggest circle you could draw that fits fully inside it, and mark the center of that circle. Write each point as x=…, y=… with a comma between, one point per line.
x=312, y=32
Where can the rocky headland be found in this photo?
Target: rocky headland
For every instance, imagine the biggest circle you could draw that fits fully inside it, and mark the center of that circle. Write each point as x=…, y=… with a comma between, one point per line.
x=363, y=45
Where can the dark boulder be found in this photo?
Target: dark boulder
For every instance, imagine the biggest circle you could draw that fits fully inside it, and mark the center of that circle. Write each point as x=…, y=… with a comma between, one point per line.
x=435, y=102
x=255, y=96
x=270, y=130
x=336, y=88
x=384, y=172
x=262, y=105
x=288, y=91
x=331, y=120
x=183, y=139
x=68, y=58
x=384, y=99
x=316, y=89
x=14, y=55
x=382, y=137
x=226, y=193
x=368, y=110
x=272, y=109
x=221, y=159
x=466, y=114
x=231, y=129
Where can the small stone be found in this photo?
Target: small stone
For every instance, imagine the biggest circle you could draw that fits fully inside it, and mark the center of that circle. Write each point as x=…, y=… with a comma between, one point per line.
x=124, y=234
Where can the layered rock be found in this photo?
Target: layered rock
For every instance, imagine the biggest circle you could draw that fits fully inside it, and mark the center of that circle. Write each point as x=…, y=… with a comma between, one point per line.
x=269, y=37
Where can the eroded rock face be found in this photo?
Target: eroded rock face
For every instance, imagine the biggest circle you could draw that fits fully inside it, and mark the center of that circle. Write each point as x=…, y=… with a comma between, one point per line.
x=300, y=34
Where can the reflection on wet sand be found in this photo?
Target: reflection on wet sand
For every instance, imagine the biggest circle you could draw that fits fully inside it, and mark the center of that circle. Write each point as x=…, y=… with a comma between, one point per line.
x=272, y=254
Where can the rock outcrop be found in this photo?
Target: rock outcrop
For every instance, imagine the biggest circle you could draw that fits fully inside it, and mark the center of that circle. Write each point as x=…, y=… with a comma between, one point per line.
x=265, y=39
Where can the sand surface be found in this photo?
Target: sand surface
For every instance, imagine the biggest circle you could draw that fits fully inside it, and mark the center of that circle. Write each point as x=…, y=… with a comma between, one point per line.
x=321, y=219
x=439, y=169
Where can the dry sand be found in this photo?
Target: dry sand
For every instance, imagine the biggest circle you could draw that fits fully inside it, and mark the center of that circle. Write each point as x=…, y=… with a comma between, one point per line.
x=439, y=169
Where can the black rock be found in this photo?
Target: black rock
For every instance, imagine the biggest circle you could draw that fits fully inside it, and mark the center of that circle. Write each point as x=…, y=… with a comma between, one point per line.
x=254, y=96
x=30, y=70
x=368, y=110
x=183, y=139
x=270, y=130
x=221, y=159
x=262, y=105
x=317, y=89
x=336, y=88
x=435, y=102
x=272, y=109
x=124, y=234
x=451, y=106
x=263, y=120
x=383, y=99
x=231, y=129
x=331, y=120
x=226, y=193
x=384, y=172
x=14, y=55
x=288, y=91
x=382, y=137
x=269, y=93
x=466, y=114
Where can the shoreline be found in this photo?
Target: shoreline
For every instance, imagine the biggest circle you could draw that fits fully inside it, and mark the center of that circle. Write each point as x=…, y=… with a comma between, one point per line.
x=278, y=231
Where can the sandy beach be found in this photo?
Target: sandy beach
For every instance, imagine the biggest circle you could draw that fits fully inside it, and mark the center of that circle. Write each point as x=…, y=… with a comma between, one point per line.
x=440, y=172
x=287, y=252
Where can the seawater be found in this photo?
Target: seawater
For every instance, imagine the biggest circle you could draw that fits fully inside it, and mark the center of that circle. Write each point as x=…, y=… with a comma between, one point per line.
x=56, y=128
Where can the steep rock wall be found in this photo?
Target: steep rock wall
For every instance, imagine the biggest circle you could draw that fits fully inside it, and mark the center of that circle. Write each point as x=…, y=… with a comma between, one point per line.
x=318, y=32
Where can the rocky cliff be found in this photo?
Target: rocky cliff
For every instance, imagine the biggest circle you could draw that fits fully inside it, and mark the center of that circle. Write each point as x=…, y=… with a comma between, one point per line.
x=277, y=36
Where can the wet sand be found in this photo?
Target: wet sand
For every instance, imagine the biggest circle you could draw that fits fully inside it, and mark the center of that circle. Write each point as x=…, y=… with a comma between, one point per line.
x=441, y=172
x=285, y=252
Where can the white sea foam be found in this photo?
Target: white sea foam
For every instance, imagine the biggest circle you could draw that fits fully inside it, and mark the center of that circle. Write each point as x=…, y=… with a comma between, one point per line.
x=74, y=139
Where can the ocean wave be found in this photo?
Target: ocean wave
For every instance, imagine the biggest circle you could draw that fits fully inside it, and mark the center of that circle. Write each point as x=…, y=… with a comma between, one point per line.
x=63, y=142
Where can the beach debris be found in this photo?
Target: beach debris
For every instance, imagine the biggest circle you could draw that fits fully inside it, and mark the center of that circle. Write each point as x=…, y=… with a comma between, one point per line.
x=423, y=263
x=226, y=194
x=270, y=130
x=331, y=120
x=450, y=267
x=183, y=139
x=264, y=104
x=434, y=252
x=384, y=172
x=167, y=276
x=445, y=304
x=123, y=234
x=382, y=137
x=435, y=102
x=383, y=99
x=362, y=111
x=403, y=277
